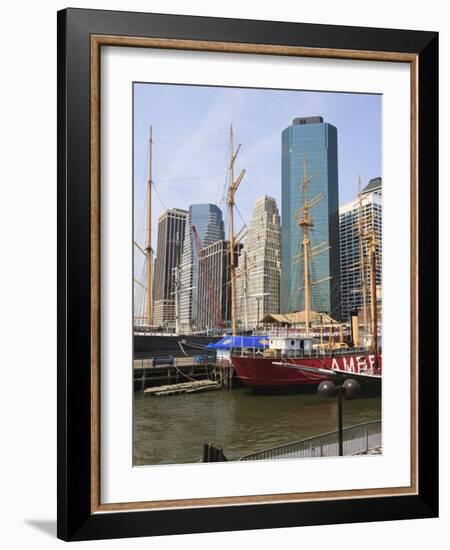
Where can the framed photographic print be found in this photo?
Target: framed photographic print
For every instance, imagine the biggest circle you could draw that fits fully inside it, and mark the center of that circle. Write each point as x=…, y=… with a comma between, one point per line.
x=247, y=253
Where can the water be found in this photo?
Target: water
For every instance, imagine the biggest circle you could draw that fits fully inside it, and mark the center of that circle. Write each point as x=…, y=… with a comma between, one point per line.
x=172, y=430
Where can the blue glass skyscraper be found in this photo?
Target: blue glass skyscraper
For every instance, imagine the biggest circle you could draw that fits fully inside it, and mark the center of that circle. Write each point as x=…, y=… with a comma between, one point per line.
x=312, y=139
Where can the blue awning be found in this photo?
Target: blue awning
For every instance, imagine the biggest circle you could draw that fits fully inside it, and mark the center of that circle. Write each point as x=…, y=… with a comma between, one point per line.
x=240, y=342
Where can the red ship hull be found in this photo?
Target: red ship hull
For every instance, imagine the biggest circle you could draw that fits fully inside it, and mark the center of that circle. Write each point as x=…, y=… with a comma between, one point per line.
x=260, y=372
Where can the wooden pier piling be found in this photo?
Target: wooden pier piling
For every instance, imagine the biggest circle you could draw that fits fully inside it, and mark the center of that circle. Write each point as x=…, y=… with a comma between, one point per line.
x=182, y=369
x=211, y=453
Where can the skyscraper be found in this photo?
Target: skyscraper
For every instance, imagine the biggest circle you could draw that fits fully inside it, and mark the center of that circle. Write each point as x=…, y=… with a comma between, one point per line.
x=258, y=288
x=208, y=223
x=171, y=225
x=214, y=292
x=355, y=217
x=313, y=141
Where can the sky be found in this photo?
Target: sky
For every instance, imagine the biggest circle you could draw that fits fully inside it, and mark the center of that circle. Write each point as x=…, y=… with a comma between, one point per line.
x=191, y=143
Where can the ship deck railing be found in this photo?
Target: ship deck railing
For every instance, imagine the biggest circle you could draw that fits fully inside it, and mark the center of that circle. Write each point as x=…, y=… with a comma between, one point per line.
x=268, y=353
x=363, y=438
x=325, y=331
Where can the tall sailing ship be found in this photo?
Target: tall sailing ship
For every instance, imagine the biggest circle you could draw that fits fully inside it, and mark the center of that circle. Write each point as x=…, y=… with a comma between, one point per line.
x=296, y=359
x=148, y=338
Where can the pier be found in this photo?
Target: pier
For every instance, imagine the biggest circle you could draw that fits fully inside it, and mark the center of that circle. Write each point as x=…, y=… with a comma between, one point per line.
x=156, y=372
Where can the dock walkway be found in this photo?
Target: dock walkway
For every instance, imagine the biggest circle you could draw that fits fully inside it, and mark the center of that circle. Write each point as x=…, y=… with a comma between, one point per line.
x=359, y=439
x=185, y=387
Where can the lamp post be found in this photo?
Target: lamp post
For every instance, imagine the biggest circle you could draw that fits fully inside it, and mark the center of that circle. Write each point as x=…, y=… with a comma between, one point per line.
x=258, y=298
x=350, y=389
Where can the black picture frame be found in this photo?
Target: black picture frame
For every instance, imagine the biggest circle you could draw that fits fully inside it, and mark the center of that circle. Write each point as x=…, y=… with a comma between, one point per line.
x=75, y=518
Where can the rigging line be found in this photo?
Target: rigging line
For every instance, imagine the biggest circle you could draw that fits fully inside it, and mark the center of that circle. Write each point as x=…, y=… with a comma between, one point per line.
x=141, y=218
x=139, y=158
x=193, y=143
x=318, y=232
x=204, y=308
x=252, y=170
x=137, y=302
x=142, y=295
x=195, y=346
x=168, y=171
x=187, y=178
x=140, y=268
x=182, y=349
x=318, y=295
x=249, y=188
x=139, y=208
x=195, y=299
x=203, y=198
x=182, y=373
x=160, y=198
x=139, y=265
x=240, y=215
x=221, y=196
x=247, y=208
x=209, y=273
x=140, y=177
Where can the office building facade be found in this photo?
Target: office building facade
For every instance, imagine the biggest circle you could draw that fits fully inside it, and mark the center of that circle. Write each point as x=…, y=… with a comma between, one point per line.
x=208, y=223
x=315, y=141
x=171, y=228
x=359, y=216
x=214, y=289
x=259, y=266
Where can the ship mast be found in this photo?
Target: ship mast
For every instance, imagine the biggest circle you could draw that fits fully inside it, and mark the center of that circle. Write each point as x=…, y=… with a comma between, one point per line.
x=362, y=262
x=245, y=290
x=177, y=283
x=305, y=222
x=177, y=286
x=148, y=249
x=373, y=289
x=234, y=184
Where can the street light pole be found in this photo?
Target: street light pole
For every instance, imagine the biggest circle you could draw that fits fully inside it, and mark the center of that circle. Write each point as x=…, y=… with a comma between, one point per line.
x=350, y=388
x=340, y=421
x=258, y=301
x=258, y=298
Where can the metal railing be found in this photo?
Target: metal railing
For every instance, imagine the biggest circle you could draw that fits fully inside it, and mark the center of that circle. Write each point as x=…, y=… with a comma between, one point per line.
x=357, y=439
x=299, y=331
x=174, y=361
x=285, y=354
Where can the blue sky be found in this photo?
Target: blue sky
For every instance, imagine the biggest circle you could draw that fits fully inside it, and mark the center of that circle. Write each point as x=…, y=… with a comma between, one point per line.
x=191, y=126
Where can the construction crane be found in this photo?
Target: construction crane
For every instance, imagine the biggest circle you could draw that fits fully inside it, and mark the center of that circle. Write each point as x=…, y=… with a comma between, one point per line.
x=207, y=279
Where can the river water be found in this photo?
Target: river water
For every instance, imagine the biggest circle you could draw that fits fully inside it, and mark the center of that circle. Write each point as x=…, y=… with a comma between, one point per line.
x=172, y=430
